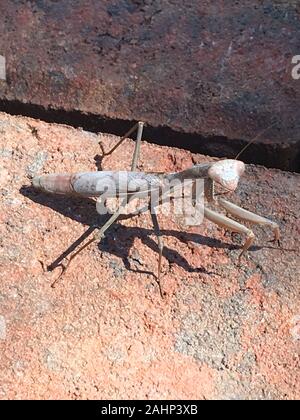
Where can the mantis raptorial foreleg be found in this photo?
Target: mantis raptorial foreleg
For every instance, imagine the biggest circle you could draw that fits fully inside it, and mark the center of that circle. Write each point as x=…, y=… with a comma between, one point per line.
x=239, y=213
x=232, y=225
x=250, y=217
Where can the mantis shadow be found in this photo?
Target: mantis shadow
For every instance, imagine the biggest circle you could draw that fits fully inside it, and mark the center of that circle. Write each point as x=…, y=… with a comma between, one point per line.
x=83, y=210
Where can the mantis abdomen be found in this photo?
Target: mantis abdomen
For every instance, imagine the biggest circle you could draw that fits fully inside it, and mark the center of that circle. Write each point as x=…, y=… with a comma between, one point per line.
x=94, y=184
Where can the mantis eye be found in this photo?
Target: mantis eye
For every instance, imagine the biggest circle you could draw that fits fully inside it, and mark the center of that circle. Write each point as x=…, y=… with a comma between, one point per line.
x=227, y=173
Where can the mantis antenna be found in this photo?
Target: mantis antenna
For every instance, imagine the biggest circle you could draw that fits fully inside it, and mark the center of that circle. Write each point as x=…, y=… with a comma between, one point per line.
x=253, y=140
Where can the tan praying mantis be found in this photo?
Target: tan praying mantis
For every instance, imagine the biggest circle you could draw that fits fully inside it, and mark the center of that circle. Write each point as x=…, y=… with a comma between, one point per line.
x=129, y=184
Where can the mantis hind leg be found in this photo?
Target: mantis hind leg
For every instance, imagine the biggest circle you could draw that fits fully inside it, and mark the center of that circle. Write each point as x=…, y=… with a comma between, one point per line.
x=160, y=246
x=96, y=237
x=136, y=154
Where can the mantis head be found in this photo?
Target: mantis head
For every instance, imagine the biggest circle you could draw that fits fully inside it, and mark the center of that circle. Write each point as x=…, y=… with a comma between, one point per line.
x=227, y=173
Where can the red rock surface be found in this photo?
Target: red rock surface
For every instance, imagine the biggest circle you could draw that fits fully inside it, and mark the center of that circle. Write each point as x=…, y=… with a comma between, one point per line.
x=223, y=331
x=221, y=69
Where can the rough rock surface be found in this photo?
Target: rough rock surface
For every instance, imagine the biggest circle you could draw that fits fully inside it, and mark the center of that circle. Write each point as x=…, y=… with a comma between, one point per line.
x=221, y=69
x=223, y=331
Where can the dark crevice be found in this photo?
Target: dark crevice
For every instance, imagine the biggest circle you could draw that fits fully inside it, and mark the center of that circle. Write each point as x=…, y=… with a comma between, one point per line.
x=270, y=155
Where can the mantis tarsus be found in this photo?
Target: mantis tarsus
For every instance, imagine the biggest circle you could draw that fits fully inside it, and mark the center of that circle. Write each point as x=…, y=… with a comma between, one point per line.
x=224, y=172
